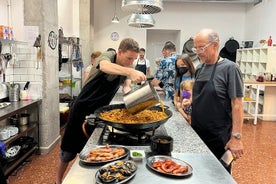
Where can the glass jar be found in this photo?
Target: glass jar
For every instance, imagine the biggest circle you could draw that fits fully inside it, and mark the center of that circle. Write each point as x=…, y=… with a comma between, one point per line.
x=260, y=77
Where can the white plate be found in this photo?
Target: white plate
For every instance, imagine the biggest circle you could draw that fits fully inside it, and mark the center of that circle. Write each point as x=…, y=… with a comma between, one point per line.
x=13, y=151
x=4, y=104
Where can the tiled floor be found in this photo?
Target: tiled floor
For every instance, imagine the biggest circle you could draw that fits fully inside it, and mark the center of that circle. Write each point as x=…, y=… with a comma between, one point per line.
x=257, y=166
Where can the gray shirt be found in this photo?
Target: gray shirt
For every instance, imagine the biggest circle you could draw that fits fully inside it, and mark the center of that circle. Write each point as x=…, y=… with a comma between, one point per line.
x=227, y=79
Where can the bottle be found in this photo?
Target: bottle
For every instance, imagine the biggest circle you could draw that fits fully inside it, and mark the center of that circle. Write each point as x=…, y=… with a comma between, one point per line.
x=269, y=41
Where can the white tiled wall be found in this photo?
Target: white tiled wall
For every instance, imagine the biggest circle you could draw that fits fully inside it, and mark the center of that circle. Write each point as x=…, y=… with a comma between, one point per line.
x=24, y=67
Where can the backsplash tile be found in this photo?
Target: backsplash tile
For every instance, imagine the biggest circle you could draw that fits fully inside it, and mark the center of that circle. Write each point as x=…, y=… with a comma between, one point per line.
x=24, y=67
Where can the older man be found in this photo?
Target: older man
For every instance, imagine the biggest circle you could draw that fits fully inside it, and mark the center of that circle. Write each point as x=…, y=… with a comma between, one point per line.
x=217, y=114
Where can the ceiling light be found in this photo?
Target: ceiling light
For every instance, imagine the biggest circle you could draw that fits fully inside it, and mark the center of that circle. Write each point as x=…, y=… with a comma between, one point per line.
x=115, y=19
x=142, y=6
x=141, y=20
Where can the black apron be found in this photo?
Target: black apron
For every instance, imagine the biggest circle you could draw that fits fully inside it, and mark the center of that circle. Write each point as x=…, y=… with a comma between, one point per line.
x=209, y=118
x=141, y=67
x=96, y=93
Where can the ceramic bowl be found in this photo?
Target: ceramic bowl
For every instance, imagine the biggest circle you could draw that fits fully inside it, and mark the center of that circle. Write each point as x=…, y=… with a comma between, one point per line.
x=161, y=144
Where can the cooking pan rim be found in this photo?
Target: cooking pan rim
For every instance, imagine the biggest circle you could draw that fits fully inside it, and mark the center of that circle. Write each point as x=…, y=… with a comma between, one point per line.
x=130, y=126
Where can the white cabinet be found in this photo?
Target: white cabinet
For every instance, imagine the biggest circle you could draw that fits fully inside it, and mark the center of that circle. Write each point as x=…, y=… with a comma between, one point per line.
x=260, y=101
x=252, y=61
x=262, y=97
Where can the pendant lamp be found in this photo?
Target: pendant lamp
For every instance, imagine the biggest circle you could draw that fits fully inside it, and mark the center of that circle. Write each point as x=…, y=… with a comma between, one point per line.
x=141, y=20
x=115, y=19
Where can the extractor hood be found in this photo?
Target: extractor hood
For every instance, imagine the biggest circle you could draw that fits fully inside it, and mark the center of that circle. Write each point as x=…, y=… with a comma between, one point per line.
x=141, y=20
x=142, y=6
x=216, y=1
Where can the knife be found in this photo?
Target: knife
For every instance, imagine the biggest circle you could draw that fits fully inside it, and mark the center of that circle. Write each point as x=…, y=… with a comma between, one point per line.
x=26, y=85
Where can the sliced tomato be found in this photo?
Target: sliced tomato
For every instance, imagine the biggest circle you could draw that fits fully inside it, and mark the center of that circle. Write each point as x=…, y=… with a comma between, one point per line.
x=160, y=169
x=181, y=169
x=169, y=166
x=157, y=164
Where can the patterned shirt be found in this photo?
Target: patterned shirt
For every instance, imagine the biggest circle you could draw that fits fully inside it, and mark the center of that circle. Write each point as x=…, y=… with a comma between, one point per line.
x=165, y=74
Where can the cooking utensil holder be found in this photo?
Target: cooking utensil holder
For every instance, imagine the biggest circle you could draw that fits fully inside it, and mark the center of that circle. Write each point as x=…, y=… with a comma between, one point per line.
x=14, y=94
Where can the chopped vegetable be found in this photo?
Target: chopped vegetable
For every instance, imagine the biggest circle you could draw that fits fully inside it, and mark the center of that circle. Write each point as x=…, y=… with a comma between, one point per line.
x=136, y=154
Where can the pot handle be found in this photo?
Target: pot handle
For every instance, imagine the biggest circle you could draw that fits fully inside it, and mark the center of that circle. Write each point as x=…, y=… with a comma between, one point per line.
x=84, y=130
x=165, y=106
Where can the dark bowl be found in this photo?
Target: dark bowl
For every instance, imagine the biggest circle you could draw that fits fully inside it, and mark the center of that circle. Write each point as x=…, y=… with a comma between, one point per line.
x=161, y=144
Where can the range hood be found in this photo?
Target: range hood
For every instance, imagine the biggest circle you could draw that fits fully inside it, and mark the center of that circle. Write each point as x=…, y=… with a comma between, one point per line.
x=142, y=6
x=141, y=20
x=217, y=1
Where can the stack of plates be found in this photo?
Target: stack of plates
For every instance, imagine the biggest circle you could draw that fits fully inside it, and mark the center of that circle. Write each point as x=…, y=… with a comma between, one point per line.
x=8, y=132
x=4, y=134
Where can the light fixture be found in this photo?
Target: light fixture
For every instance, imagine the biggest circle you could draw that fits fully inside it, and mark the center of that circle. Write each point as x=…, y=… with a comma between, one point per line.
x=142, y=6
x=141, y=20
x=115, y=19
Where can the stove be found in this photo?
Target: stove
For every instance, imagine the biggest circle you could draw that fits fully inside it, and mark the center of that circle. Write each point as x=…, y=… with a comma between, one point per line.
x=111, y=135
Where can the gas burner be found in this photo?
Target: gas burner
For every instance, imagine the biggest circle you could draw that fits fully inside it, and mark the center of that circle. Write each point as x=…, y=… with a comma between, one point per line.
x=128, y=139
x=111, y=135
x=137, y=137
x=116, y=136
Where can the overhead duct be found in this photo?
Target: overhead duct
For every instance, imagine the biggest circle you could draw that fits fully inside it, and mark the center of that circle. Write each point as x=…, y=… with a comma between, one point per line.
x=217, y=1
x=141, y=20
x=142, y=6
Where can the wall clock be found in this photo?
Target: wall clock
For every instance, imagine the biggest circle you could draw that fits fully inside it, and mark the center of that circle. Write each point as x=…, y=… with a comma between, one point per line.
x=52, y=40
x=114, y=36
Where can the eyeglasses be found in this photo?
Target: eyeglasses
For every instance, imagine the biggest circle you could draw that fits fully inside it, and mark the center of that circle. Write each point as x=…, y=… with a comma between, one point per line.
x=201, y=49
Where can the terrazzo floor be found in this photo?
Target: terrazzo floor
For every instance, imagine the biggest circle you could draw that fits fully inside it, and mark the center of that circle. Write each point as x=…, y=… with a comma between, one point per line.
x=257, y=166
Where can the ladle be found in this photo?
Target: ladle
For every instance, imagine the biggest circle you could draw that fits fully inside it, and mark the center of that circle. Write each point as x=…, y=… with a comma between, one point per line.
x=6, y=58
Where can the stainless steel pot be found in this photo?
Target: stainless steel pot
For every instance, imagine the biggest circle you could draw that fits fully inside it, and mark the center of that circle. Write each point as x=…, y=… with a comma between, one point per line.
x=141, y=99
x=24, y=119
x=14, y=93
x=4, y=94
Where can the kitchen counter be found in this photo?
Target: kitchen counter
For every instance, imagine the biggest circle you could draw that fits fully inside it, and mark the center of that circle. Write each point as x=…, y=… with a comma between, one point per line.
x=15, y=107
x=187, y=146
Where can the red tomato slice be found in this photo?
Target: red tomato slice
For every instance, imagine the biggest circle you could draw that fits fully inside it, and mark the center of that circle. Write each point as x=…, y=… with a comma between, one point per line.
x=181, y=169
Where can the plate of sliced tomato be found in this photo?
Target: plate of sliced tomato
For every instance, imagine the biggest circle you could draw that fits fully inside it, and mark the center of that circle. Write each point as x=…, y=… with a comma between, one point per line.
x=169, y=166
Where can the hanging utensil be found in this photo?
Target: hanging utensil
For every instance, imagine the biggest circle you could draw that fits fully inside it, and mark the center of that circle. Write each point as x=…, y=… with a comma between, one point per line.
x=26, y=85
x=0, y=46
x=37, y=44
x=6, y=58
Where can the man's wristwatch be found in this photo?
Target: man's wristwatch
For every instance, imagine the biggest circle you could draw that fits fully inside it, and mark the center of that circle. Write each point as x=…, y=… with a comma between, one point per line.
x=236, y=135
